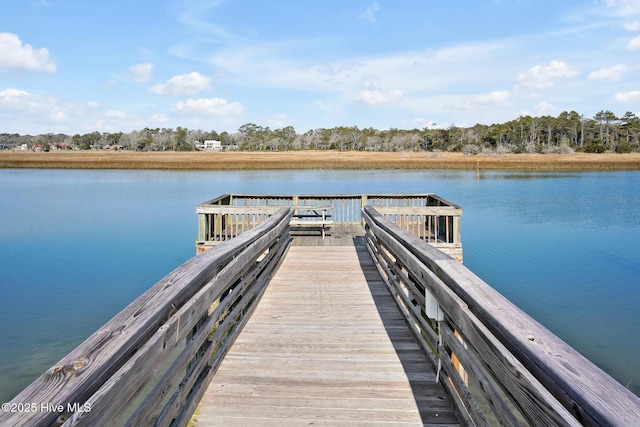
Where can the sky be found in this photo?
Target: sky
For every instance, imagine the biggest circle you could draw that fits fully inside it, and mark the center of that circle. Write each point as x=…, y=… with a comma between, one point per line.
x=78, y=66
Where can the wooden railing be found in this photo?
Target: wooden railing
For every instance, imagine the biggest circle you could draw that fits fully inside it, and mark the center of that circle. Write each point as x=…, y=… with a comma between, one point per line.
x=499, y=365
x=151, y=363
x=427, y=216
x=217, y=224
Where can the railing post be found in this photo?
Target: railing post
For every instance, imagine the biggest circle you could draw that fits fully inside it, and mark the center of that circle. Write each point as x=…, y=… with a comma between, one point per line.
x=202, y=227
x=363, y=202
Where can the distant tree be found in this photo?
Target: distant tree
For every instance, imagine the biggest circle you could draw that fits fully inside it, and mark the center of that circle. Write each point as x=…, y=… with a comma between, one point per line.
x=182, y=142
x=631, y=126
x=225, y=139
x=253, y=137
x=604, y=119
x=574, y=124
x=568, y=131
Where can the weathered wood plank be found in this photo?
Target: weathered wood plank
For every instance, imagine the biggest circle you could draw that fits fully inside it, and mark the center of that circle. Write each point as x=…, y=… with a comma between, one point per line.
x=589, y=394
x=83, y=371
x=323, y=346
x=530, y=395
x=225, y=209
x=189, y=395
x=420, y=210
x=209, y=293
x=114, y=395
x=467, y=409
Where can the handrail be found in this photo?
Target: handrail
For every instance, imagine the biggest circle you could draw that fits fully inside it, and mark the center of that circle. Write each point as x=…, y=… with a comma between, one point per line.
x=498, y=363
x=162, y=349
x=426, y=215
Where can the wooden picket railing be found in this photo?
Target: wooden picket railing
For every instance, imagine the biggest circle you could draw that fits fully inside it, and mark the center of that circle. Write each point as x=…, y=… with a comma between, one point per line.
x=427, y=216
x=150, y=364
x=499, y=365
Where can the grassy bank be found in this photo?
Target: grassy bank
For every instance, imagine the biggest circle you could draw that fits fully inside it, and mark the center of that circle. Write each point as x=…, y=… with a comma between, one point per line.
x=315, y=160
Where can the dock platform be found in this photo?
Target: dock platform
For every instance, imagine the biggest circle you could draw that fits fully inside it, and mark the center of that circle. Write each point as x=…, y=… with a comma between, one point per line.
x=286, y=317
x=326, y=345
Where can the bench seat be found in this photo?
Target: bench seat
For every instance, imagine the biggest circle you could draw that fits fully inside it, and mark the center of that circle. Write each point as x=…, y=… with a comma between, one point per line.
x=311, y=223
x=315, y=223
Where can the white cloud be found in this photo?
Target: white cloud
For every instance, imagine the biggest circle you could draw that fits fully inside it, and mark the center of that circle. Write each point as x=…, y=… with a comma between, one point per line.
x=499, y=97
x=13, y=96
x=542, y=76
x=115, y=114
x=279, y=121
x=159, y=118
x=141, y=72
x=58, y=114
x=400, y=76
x=624, y=7
x=185, y=84
x=328, y=106
x=633, y=96
x=611, y=74
x=544, y=108
x=218, y=107
x=370, y=13
x=18, y=106
x=632, y=26
x=325, y=71
x=377, y=97
x=421, y=123
x=14, y=55
x=634, y=44
x=541, y=109
x=28, y=113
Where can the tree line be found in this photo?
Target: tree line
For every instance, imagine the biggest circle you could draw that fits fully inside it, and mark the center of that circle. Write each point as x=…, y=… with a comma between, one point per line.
x=568, y=132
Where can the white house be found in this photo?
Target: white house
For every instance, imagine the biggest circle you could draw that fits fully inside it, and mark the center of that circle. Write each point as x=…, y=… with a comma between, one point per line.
x=212, y=144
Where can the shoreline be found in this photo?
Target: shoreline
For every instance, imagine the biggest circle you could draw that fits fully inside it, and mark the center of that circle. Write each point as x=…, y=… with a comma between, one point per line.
x=309, y=160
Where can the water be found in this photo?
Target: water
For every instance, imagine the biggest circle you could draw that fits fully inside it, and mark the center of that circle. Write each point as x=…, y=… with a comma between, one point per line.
x=78, y=246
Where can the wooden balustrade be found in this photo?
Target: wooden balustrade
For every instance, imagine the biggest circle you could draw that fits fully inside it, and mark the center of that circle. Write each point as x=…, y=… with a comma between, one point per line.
x=500, y=365
x=427, y=216
x=219, y=224
x=150, y=364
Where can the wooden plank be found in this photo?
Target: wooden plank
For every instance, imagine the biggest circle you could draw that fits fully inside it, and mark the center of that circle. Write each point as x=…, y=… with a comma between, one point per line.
x=465, y=404
x=311, y=222
x=227, y=276
x=83, y=371
x=508, y=370
x=236, y=209
x=591, y=396
x=192, y=394
x=325, y=344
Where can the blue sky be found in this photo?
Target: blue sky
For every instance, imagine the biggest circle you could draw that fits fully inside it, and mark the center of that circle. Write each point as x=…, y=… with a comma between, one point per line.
x=78, y=66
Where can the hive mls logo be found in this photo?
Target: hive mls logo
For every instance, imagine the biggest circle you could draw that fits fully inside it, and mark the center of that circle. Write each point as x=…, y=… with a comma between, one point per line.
x=77, y=407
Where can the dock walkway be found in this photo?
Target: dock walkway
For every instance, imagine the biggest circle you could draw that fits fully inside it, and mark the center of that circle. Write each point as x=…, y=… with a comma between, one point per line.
x=274, y=325
x=326, y=345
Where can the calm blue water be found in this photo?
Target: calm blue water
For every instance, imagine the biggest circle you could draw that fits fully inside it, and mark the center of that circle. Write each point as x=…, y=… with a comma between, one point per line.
x=78, y=246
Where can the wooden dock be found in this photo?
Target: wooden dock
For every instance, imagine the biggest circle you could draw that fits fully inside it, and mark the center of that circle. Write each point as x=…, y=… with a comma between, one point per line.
x=326, y=345
x=287, y=317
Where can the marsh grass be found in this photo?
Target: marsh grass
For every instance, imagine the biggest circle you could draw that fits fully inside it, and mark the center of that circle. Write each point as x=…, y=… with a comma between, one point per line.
x=300, y=160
